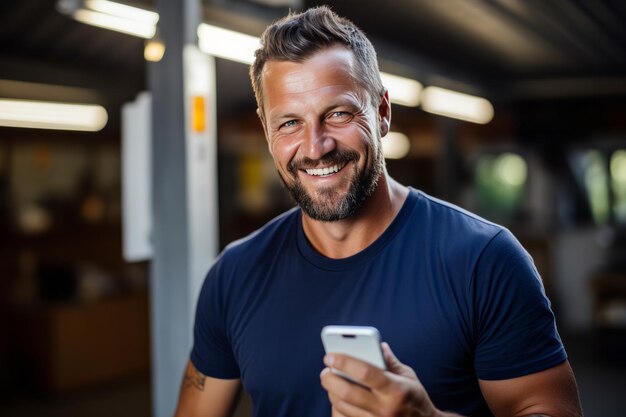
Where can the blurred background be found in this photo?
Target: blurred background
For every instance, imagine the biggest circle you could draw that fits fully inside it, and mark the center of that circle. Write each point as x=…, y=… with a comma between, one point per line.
x=513, y=109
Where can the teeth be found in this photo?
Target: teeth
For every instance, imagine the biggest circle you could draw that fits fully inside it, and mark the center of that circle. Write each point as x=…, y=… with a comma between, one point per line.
x=324, y=171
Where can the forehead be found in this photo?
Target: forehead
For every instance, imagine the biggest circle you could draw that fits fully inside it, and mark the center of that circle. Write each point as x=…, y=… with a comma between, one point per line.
x=329, y=68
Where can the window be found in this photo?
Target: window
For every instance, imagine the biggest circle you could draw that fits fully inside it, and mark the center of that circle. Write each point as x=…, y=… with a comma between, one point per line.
x=618, y=184
x=602, y=175
x=500, y=181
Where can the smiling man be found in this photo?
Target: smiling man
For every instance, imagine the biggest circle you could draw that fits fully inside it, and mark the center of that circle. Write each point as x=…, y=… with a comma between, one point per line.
x=467, y=327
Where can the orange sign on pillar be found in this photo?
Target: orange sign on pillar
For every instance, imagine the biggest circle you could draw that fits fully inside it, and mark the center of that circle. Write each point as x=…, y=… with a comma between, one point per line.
x=198, y=114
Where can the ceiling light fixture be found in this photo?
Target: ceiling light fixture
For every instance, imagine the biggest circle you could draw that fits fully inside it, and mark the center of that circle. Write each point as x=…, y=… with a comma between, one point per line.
x=111, y=15
x=461, y=106
x=227, y=44
x=404, y=91
x=137, y=14
x=52, y=115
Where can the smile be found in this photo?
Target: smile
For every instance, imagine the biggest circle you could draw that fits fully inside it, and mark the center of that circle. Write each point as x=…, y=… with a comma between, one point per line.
x=325, y=171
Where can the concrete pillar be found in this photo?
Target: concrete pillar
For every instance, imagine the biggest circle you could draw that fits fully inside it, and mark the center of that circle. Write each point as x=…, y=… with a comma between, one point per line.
x=184, y=193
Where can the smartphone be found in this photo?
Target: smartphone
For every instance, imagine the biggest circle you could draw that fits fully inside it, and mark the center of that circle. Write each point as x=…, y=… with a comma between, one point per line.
x=361, y=342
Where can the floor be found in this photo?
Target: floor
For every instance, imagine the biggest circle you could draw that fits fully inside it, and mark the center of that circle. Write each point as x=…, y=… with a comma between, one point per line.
x=124, y=399
x=601, y=380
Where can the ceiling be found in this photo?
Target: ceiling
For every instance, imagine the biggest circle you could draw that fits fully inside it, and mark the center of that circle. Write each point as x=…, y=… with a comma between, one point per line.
x=505, y=38
x=505, y=49
x=516, y=49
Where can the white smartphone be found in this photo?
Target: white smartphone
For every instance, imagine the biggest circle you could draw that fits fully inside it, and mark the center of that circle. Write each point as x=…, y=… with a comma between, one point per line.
x=361, y=342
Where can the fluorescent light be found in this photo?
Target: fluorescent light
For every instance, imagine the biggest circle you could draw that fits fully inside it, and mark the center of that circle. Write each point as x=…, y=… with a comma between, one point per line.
x=457, y=105
x=116, y=23
x=227, y=44
x=404, y=91
x=396, y=145
x=136, y=14
x=51, y=115
x=111, y=15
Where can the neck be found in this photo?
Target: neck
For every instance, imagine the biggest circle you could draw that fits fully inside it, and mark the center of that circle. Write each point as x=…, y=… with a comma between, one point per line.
x=343, y=238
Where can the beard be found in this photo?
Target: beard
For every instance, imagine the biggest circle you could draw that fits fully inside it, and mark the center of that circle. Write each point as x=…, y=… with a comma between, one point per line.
x=331, y=204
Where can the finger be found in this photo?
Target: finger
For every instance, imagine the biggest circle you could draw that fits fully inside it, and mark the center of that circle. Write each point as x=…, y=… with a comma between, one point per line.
x=336, y=413
x=349, y=410
x=362, y=372
x=345, y=409
x=342, y=391
x=393, y=363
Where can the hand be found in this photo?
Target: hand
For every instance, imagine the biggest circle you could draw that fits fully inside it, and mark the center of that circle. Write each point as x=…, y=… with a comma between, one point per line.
x=396, y=392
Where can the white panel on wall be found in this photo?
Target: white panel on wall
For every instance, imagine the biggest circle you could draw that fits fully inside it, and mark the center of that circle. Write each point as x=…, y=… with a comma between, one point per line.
x=136, y=174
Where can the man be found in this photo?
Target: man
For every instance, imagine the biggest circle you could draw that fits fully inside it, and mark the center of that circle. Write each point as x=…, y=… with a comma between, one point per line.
x=454, y=296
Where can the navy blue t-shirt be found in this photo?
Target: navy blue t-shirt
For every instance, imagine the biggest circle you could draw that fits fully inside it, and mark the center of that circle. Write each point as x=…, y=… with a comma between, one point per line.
x=455, y=296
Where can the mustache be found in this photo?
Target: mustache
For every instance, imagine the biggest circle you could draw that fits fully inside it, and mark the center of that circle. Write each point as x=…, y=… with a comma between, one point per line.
x=335, y=157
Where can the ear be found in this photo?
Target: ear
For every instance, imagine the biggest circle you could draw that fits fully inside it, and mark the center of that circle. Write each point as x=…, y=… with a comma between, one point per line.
x=384, y=114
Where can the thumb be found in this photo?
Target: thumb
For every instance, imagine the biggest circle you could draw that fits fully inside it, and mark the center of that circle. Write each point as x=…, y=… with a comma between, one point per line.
x=394, y=365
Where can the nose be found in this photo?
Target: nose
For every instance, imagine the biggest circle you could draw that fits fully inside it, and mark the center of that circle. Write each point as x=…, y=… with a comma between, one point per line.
x=317, y=142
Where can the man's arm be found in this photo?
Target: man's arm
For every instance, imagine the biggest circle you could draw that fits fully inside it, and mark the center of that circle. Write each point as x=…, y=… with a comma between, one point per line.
x=204, y=396
x=552, y=392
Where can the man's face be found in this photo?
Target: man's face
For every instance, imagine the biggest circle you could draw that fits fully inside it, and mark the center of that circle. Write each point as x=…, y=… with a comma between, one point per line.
x=323, y=132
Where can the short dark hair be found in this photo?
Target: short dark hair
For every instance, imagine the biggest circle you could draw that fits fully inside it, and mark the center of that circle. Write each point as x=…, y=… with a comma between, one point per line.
x=299, y=35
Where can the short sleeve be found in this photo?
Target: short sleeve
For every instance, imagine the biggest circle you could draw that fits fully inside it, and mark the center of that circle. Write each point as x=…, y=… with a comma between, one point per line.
x=515, y=329
x=212, y=353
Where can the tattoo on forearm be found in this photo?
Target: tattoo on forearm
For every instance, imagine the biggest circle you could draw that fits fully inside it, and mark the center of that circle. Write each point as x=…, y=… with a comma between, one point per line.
x=195, y=379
